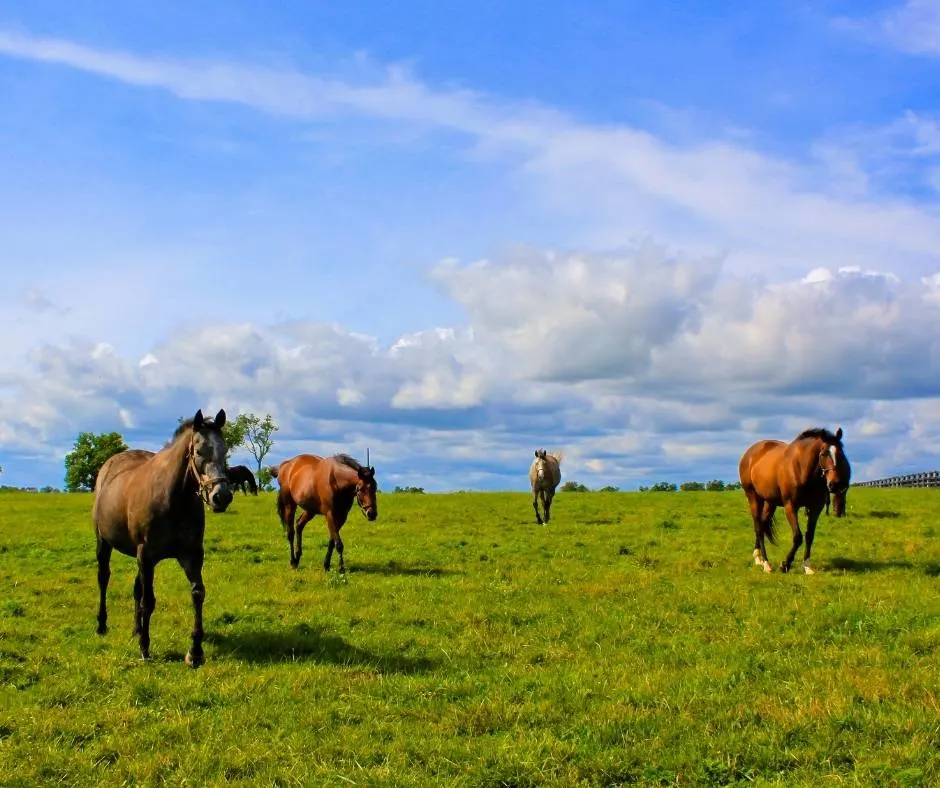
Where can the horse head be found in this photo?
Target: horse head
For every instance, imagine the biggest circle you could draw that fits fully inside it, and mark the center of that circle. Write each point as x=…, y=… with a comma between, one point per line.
x=366, y=492
x=207, y=460
x=835, y=469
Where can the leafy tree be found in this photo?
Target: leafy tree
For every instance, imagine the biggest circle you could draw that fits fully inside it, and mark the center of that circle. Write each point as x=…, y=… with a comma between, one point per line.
x=257, y=435
x=573, y=486
x=715, y=485
x=691, y=486
x=663, y=487
x=265, y=479
x=609, y=488
x=91, y=451
x=413, y=490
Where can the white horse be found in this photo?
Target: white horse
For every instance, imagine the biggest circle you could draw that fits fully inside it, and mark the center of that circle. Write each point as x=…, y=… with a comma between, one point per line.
x=544, y=476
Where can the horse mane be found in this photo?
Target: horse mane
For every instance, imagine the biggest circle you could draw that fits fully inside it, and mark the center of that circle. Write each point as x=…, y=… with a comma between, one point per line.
x=184, y=425
x=349, y=462
x=820, y=432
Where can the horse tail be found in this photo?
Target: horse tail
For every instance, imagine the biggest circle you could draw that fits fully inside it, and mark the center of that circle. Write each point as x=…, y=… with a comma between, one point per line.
x=769, y=526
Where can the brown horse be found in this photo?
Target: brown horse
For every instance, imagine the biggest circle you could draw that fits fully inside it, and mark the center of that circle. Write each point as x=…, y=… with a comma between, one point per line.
x=149, y=506
x=324, y=486
x=241, y=477
x=798, y=474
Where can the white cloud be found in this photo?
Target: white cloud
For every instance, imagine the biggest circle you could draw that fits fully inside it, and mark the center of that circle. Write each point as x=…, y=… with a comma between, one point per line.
x=641, y=365
x=914, y=27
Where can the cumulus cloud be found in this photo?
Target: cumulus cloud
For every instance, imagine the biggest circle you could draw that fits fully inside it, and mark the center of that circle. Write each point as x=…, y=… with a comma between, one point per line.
x=642, y=364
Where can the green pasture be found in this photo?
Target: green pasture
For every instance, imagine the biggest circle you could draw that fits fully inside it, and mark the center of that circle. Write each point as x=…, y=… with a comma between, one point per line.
x=630, y=641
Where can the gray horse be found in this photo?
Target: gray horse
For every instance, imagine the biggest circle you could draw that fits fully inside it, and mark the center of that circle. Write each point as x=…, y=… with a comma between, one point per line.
x=544, y=476
x=149, y=506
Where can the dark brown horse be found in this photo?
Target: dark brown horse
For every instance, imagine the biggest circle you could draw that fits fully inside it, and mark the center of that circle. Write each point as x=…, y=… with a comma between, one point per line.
x=149, y=506
x=794, y=475
x=324, y=486
x=241, y=477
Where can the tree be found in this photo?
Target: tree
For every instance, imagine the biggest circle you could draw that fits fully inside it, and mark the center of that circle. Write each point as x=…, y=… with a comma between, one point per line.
x=257, y=435
x=91, y=451
x=265, y=479
x=233, y=432
x=715, y=485
x=573, y=486
x=663, y=487
x=692, y=486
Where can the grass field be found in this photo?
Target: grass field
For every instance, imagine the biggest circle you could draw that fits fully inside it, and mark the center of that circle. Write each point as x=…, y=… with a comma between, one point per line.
x=632, y=640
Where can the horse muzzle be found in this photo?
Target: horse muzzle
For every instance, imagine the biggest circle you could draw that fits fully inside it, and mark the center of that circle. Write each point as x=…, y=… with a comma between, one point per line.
x=220, y=497
x=371, y=514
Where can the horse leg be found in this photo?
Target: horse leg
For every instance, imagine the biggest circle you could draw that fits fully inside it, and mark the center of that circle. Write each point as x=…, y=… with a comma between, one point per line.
x=535, y=505
x=794, y=520
x=145, y=567
x=758, y=508
x=288, y=509
x=547, y=504
x=192, y=566
x=812, y=516
x=103, y=552
x=138, y=604
x=335, y=541
x=301, y=522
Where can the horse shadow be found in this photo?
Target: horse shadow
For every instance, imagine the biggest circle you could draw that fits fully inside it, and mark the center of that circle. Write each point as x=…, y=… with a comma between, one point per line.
x=855, y=565
x=303, y=643
x=884, y=514
x=392, y=568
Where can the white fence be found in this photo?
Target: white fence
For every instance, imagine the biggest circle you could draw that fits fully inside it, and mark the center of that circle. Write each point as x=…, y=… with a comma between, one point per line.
x=927, y=479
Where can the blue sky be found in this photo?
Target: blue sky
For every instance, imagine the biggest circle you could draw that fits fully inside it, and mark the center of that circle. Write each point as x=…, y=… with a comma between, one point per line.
x=644, y=233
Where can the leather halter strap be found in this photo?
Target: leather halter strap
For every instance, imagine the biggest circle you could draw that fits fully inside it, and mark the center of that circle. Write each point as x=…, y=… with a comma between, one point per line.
x=205, y=483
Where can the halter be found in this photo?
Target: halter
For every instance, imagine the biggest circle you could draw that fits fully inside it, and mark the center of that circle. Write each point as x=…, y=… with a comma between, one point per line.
x=205, y=485
x=823, y=470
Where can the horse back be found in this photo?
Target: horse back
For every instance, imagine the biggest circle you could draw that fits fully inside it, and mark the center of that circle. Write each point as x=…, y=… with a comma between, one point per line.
x=758, y=468
x=118, y=489
x=304, y=477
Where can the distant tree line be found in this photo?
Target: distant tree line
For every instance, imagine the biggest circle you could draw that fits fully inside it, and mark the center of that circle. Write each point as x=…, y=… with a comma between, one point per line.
x=715, y=485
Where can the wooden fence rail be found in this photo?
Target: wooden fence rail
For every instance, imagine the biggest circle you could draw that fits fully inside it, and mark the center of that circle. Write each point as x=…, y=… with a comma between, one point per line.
x=926, y=479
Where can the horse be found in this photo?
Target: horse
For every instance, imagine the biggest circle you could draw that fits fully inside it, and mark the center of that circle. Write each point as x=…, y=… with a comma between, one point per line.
x=241, y=477
x=793, y=475
x=544, y=476
x=327, y=486
x=149, y=506
x=838, y=503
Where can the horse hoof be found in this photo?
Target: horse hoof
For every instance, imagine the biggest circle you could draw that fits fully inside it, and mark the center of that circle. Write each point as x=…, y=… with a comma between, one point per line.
x=102, y=629
x=767, y=567
x=194, y=661
x=145, y=655
x=758, y=561
x=808, y=570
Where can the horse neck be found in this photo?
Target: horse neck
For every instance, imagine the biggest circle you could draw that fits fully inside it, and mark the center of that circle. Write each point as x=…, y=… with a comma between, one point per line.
x=810, y=457
x=173, y=465
x=346, y=477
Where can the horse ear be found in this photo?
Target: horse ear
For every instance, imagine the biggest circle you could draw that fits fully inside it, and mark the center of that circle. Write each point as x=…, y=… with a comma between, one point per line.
x=198, y=420
x=536, y=452
x=220, y=419
x=839, y=434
